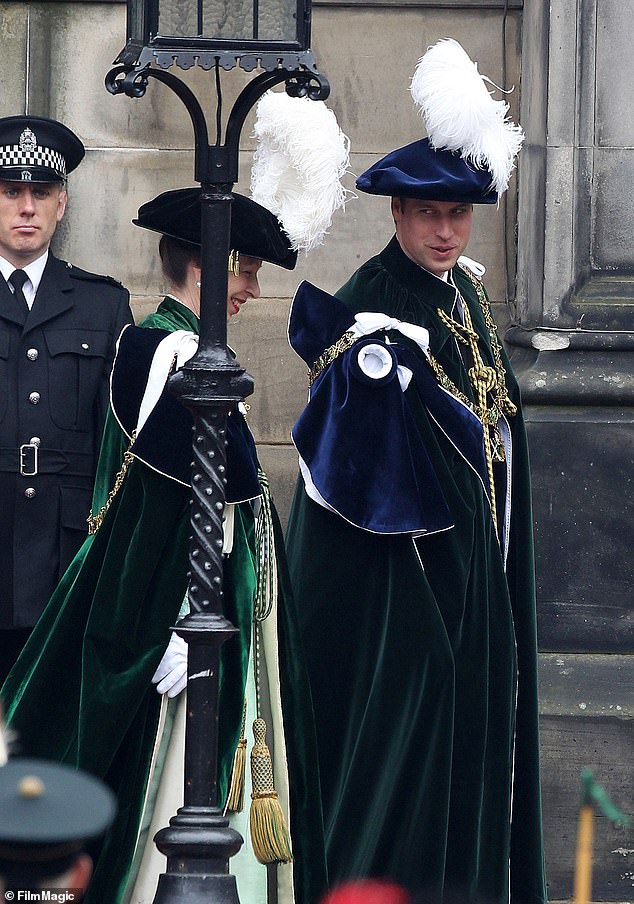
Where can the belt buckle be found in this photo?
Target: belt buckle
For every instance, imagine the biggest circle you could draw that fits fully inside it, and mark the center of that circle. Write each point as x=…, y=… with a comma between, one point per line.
x=25, y=471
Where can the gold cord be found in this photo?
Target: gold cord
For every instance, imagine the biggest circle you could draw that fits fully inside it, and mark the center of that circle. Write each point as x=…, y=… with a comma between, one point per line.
x=266, y=586
x=486, y=381
x=269, y=832
x=95, y=521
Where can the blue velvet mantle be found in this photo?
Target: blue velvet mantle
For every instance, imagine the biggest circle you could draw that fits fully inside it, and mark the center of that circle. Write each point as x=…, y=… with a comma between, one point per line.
x=164, y=443
x=357, y=435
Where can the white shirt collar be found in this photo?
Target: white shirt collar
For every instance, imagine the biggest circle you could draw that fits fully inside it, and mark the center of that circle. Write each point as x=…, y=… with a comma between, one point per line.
x=34, y=271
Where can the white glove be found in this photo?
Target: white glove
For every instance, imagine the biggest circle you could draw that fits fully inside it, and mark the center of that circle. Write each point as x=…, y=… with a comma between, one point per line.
x=171, y=675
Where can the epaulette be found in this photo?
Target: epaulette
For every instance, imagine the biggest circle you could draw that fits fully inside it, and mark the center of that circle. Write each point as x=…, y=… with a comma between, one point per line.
x=78, y=273
x=474, y=268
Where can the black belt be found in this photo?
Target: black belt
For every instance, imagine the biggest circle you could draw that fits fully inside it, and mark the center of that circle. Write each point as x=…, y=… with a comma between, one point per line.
x=30, y=460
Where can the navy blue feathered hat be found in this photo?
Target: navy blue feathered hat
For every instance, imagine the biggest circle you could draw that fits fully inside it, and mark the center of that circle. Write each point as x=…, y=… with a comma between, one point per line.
x=471, y=147
x=255, y=231
x=37, y=149
x=419, y=171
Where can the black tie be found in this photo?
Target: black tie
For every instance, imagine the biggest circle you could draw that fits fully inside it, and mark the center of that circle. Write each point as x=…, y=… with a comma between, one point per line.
x=17, y=280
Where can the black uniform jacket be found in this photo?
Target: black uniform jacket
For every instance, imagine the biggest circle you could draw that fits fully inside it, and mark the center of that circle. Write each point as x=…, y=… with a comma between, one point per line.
x=55, y=362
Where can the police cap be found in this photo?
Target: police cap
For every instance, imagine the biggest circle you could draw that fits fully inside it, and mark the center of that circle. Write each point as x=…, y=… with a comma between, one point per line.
x=37, y=149
x=47, y=814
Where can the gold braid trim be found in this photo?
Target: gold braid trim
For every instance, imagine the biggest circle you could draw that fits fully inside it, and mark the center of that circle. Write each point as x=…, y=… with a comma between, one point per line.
x=330, y=354
x=95, y=521
x=447, y=383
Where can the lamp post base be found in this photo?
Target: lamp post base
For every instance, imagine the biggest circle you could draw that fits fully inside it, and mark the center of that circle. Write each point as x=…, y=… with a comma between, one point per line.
x=198, y=844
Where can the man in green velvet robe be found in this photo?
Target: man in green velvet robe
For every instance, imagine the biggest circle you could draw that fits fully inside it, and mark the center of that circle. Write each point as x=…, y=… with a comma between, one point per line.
x=411, y=556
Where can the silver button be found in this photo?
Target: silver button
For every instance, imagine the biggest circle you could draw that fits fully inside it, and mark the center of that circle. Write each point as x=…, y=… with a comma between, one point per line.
x=29, y=492
x=35, y=441
x=34, y=398
x=32, y=354
x=85, y=345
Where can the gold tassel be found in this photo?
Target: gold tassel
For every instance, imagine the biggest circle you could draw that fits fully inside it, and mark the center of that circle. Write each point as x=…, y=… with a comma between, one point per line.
x=269, y=833
x=235, y=798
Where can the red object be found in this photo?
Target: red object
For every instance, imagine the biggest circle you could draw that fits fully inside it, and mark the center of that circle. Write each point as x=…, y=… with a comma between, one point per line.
x=370, y=891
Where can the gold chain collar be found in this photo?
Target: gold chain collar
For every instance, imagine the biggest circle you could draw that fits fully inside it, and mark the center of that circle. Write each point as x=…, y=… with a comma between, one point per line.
x=484, y=379
x=489, y=383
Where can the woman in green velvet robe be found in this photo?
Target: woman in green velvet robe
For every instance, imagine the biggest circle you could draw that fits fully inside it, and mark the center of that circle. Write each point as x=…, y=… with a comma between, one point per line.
x=82, y=691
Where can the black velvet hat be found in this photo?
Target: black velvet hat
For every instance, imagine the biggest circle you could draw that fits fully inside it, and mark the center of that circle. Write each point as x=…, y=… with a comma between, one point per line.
x=37, y=149
x=419, y=171
x=255, y=231
x=47, y=814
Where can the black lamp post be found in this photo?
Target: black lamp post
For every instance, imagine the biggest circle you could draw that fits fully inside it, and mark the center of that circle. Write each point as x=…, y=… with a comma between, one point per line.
x=217, y=35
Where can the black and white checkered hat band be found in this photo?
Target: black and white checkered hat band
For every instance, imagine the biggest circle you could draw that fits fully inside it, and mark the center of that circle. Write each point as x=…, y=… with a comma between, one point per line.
x=14, y=155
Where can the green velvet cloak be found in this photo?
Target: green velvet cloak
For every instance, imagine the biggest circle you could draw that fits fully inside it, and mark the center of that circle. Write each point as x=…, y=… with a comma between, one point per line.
x=81, y=691
x=422, y=655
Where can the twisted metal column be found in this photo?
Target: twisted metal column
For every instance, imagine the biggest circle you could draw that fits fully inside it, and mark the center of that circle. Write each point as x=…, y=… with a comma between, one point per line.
x=198, y=842
x=208, y=493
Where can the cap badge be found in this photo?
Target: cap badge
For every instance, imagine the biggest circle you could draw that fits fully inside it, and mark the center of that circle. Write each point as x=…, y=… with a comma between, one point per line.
x=31, y=786
x=26, y=175
x=28, y=140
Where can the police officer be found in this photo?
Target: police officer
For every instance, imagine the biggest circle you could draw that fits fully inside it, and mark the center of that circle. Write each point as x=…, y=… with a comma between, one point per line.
x=48, y=814
x=58, y=329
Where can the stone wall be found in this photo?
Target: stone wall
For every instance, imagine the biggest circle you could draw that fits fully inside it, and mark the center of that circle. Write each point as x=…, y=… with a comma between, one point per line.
x=574, y=357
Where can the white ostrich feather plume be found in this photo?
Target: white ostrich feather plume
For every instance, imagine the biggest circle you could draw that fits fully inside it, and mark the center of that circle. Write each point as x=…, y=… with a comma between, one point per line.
x=460, y=114
x=300, y=158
